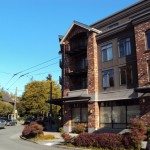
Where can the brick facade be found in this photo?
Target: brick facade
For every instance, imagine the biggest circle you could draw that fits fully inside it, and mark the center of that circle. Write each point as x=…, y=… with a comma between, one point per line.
x=126, y=22
x=92, y=56
x=93, y=116
x=142, y=54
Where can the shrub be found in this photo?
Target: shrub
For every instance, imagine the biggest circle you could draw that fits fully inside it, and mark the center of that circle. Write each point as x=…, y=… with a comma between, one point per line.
x=127, y=140
x=32, y=130
x=148, y=133
x=109, y=140
x=67, y=138
x=138, y=131
x=85, y=139
x=79, y=128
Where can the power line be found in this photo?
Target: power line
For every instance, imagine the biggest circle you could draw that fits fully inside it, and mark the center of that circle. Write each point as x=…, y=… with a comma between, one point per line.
x=29, y=73
x=36, y=65
x=29, y=69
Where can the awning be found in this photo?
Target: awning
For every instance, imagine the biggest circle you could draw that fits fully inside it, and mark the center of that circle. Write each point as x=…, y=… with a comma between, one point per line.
x=61, y=101
x=118, y=95
x=142, y=89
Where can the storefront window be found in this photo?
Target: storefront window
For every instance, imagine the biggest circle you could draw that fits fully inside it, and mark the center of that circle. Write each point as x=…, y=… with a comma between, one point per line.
x=79, y=113
x=76, y=114
x=117, y=114
x=132, y=112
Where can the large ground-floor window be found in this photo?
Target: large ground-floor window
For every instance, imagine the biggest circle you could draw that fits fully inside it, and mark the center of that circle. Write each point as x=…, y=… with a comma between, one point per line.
x=79, y=113
x=117, y=114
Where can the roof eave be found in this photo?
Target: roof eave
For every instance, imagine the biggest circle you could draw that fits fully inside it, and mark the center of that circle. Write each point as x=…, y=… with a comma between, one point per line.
x=75, y=23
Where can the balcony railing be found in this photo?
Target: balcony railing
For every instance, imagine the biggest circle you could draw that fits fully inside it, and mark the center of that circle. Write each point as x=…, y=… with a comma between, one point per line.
x=60, y=80
x=60, y=64
x=78, y=87
x=76, y=70
x=77, y=48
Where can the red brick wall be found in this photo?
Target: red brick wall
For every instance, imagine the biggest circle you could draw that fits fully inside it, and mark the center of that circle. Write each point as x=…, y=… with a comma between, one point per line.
x=68, y=61
x=93, y=82
x=92, y=57
x=93, y=116
x=142, y=54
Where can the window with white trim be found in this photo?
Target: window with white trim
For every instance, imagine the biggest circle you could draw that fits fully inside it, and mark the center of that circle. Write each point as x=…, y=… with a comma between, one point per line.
x=107, y=52
x=124, y=46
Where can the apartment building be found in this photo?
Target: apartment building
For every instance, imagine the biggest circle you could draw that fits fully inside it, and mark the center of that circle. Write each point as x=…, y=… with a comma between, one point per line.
x=106, y=70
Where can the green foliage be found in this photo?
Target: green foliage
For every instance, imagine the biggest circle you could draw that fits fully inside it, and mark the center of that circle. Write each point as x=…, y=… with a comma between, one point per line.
x=5, y=108
x=35, y=97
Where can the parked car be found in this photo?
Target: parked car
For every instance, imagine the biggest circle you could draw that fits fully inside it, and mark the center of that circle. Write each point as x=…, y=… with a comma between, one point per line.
x=2, y=123
x=10, y=122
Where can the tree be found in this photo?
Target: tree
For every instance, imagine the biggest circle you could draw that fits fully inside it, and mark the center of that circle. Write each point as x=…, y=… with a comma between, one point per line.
x=5, y=107
x=34, y=99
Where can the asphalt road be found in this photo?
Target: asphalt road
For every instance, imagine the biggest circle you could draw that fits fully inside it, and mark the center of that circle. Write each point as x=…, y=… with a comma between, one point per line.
x=10, y=140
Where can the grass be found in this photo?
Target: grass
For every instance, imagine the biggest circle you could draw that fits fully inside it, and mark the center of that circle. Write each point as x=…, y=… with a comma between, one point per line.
x=43, y=137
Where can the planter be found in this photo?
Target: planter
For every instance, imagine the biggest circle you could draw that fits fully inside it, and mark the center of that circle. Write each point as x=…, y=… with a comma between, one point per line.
x=143, y=144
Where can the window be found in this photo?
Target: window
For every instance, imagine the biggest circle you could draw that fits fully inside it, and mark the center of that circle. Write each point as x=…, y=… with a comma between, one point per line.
x=107, y=52
x=79, y=113
x=124, y=47
x=117, y=114
x=126, y=75
x=148, y=39
x=123, y=79
x=132, y=112
x=148, y=70
x=108, y=78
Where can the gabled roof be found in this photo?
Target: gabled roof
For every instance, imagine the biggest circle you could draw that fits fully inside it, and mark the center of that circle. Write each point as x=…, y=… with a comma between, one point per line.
x=80, y=25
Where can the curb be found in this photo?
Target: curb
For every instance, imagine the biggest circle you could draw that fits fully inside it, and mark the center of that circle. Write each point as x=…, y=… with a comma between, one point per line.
x=23, y=138
x=71, y=147
x=56, y=145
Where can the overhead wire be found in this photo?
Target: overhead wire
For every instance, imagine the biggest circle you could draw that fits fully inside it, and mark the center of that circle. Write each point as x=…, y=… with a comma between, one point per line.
x=28, y=73
x=15, y=74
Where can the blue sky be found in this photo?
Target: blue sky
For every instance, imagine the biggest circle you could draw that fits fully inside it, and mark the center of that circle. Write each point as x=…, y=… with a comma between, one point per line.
x=29, y=32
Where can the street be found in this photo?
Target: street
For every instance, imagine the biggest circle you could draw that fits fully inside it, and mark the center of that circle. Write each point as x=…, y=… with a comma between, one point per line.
x=10, y=140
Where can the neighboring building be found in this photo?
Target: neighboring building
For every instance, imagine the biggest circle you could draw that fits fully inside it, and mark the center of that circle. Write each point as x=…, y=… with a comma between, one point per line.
x=106, y=70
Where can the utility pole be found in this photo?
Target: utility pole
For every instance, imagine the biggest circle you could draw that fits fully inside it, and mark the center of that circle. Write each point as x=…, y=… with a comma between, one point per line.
x=50, y=99
x=15, y=111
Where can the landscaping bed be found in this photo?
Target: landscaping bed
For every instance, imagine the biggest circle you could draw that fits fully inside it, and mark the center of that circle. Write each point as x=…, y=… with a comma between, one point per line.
x=111, y=141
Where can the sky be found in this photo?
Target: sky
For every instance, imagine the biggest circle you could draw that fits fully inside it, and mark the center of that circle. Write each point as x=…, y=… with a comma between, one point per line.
x=29, y=32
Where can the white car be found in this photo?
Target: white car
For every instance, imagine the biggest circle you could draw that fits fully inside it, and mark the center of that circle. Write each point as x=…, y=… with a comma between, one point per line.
x=2, y=123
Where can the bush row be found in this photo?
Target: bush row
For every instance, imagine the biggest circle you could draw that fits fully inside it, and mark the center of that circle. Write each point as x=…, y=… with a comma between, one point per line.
x=111, y=140
x=104, y=140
